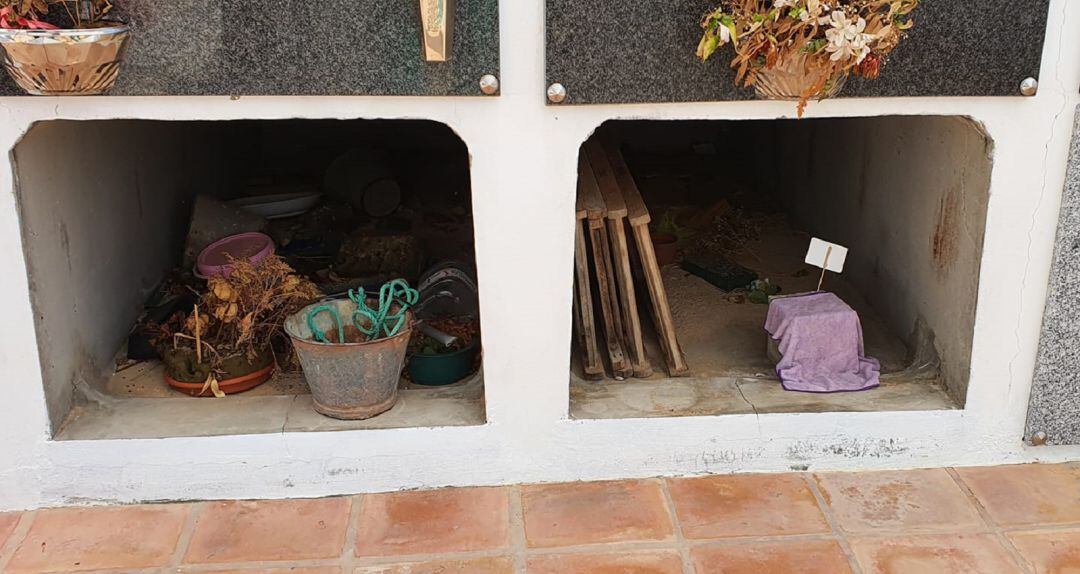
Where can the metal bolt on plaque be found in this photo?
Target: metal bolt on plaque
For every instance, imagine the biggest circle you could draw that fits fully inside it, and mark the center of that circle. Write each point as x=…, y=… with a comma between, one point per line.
x=1029, y=87
x=556, y=93
x=489, y=84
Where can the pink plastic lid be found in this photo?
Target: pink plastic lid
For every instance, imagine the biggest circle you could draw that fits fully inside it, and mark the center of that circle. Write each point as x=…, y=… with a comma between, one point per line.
x=214, y=260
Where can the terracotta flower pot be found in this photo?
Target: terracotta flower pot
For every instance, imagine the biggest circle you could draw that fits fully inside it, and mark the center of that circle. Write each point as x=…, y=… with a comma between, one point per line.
x=665, y=245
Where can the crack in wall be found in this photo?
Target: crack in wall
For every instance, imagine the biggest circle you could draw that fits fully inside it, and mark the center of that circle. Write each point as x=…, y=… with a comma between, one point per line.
x=1039, y=201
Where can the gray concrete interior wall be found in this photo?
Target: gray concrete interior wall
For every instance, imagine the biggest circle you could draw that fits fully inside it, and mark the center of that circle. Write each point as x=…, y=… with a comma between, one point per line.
x=104, y=207
x=909, y=196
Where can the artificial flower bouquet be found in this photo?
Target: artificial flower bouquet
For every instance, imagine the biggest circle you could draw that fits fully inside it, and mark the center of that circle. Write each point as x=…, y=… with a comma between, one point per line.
x=820, y=41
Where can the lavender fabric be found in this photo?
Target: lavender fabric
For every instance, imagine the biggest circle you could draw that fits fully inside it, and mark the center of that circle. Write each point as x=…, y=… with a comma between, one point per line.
x=821, y=344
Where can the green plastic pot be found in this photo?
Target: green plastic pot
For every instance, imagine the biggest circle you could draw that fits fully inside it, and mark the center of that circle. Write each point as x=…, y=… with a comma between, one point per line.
x=447, y=369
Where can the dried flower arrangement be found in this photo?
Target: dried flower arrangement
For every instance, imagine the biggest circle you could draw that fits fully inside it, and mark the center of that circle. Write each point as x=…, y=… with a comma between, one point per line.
x=826, y=40
x=32, y=14
x=236, y=320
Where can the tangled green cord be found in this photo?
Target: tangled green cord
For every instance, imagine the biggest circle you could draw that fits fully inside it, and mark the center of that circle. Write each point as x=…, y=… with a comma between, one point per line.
x=373, y=322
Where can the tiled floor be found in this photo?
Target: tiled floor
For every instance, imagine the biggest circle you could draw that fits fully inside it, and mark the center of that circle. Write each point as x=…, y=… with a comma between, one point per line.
x=977, y=520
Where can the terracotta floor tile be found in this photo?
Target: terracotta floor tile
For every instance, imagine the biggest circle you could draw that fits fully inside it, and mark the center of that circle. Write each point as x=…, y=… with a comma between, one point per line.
x=8, y=522
x=746, y=505
x=934, y=554
x=497, y=565
x=1027, y=494
x=802, y=556
x=1049, y=551
x=594, y=512
x=71, y=539
x=246, y=531
x=449, y=520
x=913, y=500
x=654, y=562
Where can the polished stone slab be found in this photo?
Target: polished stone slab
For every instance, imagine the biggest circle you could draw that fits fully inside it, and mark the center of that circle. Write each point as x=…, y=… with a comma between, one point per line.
x=296, y=47
x=610, y=51
x=1054, y=408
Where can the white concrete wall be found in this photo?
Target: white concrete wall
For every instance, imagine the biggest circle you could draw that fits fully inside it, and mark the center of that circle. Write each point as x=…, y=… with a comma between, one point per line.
x=105, y=207
x=523, y=166
x=909, y=196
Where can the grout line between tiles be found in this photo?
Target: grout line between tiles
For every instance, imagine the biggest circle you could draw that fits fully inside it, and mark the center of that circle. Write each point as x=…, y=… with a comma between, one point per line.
x=834, y=525
x=352, y=535
x=680, y=538
x=7, y=551
x=286, y=565
x=984, y=515
x=182, y=542
x=432, y=557
x=1040, y=527
x=517, y=529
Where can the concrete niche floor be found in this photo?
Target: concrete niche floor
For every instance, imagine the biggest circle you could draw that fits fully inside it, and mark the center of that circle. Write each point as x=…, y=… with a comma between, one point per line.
x=138, y=404
x=725, y=346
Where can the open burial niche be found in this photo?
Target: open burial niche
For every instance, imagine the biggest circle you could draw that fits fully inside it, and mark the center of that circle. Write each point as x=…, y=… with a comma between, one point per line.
x=691, y=234
x=119, y=220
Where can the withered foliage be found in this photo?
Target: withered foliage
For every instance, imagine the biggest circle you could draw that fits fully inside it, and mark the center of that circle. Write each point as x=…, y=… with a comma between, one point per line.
x=243, y=312
x=80, y=13
x=836, y=37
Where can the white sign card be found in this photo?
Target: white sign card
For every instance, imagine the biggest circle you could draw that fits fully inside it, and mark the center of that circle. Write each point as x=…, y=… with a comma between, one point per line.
x=826, y=255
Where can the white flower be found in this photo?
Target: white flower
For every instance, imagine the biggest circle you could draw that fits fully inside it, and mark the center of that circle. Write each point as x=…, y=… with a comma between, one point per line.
x=846, y=38
x=778, y=4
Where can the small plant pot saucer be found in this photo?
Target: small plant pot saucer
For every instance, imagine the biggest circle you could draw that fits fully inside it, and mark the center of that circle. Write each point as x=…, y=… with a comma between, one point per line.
x=229, y=387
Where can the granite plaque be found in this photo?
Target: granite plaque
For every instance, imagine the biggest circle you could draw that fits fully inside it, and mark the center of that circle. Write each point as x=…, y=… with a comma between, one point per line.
x=1054, y=408
x=610, y=51
x=296, y=47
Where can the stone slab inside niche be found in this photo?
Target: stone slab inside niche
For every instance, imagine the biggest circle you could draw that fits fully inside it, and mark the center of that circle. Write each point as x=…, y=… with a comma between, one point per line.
x=295, y=47
x=611, y=51
x=1054, y=410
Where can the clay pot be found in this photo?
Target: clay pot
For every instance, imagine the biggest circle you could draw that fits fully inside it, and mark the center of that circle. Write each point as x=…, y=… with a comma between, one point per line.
x=229, y=387
x=263, y=370
x=665, y=245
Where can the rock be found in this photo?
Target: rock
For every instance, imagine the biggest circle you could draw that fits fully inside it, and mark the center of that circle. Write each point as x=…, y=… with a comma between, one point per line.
x=213, y=219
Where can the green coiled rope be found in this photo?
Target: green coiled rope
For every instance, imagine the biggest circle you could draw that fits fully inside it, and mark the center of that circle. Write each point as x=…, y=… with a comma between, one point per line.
x=374, y=322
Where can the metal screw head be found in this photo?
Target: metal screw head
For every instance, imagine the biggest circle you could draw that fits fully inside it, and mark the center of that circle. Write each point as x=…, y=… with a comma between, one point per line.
x=556, y=93
x=1038, y=438
x=1029, y=87
x=489, y=84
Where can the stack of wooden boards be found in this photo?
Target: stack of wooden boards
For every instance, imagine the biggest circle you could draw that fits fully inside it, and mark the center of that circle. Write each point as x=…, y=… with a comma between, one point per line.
x=608, y=200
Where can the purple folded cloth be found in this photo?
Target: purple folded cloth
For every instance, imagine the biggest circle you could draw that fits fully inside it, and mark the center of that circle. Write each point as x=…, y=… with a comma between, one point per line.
x=821, y=345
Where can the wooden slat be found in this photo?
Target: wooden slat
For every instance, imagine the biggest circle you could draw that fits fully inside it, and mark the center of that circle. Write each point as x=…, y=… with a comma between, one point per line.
x=589, y=199
x=605, y=180
x=609, y=310
x=592, y=364
x=637, y=213
x=665, y=324
x=635, y=342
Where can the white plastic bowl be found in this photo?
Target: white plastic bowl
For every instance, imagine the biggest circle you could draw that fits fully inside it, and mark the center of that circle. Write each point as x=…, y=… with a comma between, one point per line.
x=279, y=205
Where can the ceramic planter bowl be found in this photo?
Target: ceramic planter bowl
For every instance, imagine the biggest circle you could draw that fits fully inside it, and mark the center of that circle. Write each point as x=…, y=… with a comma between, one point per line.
x=65, y=62
x=788, y=80
x=446, y=369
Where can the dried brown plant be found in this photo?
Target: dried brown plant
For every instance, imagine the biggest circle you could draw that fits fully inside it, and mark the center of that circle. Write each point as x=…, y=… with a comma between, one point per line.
x=837, y=37
x=242, y=313
x=32, y=13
